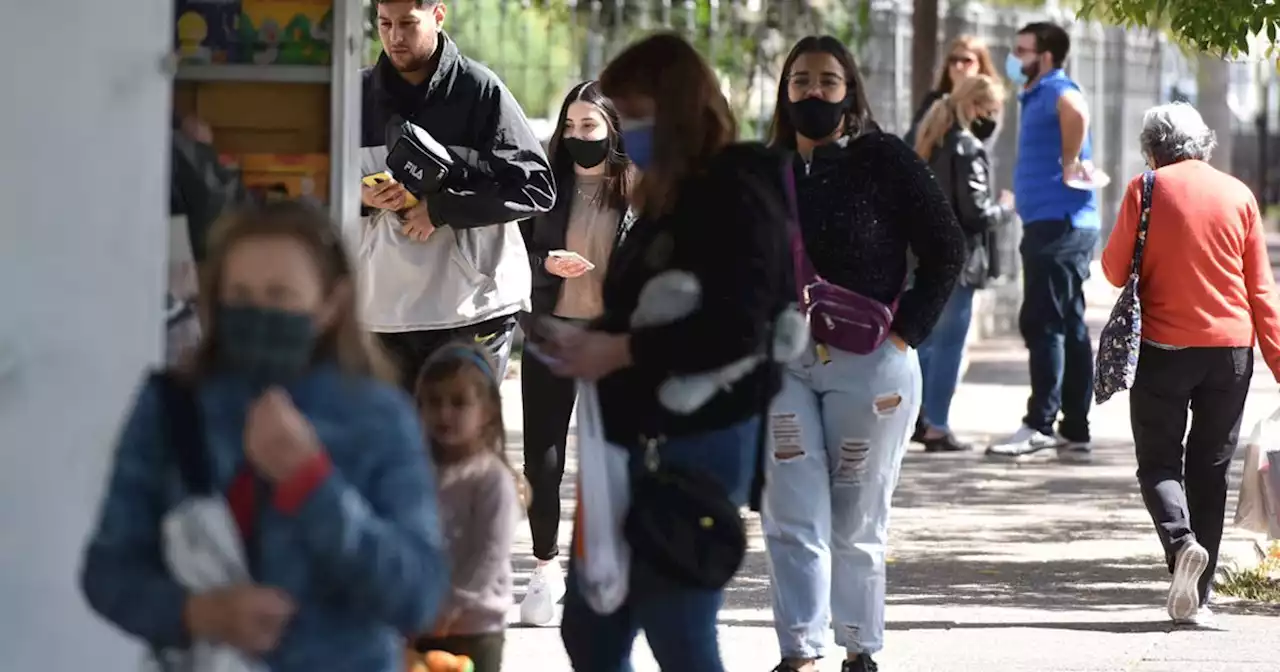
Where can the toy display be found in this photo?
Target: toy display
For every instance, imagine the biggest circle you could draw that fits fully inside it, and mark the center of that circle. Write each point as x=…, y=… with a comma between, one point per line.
x=287, y=32
x=207, y=31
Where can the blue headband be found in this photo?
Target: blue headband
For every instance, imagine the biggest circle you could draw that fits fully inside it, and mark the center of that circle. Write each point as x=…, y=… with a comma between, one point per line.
x=456, y=352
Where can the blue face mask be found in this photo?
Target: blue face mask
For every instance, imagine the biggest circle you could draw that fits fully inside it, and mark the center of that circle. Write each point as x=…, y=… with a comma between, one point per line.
x=1013, y=69
x=267, y=346
x=637, y=139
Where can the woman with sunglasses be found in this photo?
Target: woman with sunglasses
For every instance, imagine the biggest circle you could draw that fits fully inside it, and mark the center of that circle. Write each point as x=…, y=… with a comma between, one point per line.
x=967, y=56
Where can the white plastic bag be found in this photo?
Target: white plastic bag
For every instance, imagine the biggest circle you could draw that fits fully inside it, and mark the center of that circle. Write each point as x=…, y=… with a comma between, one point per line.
x=602, y=558
x=1258, y=508
x=203, y=551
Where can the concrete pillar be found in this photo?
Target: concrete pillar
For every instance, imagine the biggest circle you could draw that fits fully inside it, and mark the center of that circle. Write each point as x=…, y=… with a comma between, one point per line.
x=84, y=192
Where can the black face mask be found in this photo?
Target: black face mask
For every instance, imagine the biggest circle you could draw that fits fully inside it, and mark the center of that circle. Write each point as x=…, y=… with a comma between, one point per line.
x=983, y=128
x=815, y=118
x=587, y=153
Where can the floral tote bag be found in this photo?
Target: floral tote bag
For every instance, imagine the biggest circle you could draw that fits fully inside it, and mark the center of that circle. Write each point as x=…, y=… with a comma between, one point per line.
x=1121, y=338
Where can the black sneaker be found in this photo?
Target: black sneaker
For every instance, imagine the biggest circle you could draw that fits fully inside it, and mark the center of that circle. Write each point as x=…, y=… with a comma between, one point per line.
x=862, y=663
x=947, y=443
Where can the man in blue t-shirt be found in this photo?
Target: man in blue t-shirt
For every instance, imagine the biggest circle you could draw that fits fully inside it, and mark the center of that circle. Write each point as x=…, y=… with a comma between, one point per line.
x=1059, y=236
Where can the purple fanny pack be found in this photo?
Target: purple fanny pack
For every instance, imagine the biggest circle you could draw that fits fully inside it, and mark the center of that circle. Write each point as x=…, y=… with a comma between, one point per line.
x=838, y=317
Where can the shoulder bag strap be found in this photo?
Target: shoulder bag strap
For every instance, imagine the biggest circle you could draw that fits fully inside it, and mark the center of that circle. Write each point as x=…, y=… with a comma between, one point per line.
x=183, y=432
x=805, y=273
x=1148, y=182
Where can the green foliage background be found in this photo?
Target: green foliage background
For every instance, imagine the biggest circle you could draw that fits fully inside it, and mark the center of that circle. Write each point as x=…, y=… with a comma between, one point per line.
x=1219, y=27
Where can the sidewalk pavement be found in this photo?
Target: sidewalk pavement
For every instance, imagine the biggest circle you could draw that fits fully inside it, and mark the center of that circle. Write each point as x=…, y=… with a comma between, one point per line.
x=1037, y=567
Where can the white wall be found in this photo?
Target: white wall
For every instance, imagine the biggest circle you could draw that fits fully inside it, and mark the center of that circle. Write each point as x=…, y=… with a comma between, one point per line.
x=84, y=110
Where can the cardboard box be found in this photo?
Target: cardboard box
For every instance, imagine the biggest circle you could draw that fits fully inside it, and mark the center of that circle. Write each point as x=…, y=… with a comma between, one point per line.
x=287, y=32
x=298, y=176
x=207, y=31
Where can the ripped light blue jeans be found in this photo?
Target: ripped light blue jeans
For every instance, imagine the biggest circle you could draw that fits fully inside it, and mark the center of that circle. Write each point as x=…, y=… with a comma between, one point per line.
x=838, y=432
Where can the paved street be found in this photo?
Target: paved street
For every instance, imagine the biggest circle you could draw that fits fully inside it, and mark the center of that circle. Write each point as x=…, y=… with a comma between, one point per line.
x=1038, y=567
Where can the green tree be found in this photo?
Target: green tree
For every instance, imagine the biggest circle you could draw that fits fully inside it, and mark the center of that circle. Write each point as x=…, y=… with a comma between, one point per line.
x=1219, y=27
x=530, y=48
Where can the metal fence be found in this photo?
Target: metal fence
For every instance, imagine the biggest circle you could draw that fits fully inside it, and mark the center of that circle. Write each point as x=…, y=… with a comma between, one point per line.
x=543, y=47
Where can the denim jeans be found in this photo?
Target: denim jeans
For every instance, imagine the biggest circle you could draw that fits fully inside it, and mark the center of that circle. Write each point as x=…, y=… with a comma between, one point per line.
x=940, y=357
x=1055, y=263
x=839, y=430
x=679, y=623
x=1188, y=503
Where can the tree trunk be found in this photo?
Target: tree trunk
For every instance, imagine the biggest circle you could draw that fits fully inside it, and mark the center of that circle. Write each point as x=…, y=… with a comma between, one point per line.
x=1212, y=77
x=924, y=48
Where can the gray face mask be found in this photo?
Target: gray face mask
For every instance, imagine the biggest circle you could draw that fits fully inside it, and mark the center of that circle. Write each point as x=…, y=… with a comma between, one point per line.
x=267, y=346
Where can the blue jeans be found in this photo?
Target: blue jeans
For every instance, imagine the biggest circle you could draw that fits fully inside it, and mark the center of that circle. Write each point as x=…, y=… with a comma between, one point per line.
x=839, y=432
x=940, y=357
x=1055, y=264
x=679, y=624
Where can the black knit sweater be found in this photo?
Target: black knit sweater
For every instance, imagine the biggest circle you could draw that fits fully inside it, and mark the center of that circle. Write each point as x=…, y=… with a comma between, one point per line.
x=864, y=203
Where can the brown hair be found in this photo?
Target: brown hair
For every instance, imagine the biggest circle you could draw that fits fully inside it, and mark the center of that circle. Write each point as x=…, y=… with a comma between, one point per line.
x=344, y=341
x=463, y=358
x=970, y=43
x=692, y=121
x=857, y=118
x=619, y=173
x=946, y=111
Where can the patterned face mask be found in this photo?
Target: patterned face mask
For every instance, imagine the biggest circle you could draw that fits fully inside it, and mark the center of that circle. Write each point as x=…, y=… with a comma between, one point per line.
x=266, y=345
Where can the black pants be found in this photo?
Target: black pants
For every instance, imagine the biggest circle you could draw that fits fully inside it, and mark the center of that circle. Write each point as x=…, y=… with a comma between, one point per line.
x=1055, y=259
x=485, y=651
x=1188, y=504
x=410, y=349
x=548, y=403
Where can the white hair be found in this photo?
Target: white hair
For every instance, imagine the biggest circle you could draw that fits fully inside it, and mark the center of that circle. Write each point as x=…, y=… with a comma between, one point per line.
x=1175, y=132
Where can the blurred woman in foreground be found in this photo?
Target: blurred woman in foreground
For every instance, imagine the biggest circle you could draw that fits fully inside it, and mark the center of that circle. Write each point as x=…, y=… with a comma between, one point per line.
x=714, y=210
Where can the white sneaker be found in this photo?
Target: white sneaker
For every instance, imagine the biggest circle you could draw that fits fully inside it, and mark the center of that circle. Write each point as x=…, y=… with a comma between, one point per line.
x=1024, y=442
x=1075, y=453
x=546, y=588
x=1184, y=590
x=1203, y=618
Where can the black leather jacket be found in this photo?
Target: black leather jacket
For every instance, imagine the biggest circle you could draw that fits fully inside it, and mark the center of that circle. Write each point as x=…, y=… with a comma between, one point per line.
x=963, y=170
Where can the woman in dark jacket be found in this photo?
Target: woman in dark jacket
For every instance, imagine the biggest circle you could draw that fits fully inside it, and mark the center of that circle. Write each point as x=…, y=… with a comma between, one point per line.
x=714, y=210
x=967, y=56
x=590, y=218
x=951, y=139
x=843, y=418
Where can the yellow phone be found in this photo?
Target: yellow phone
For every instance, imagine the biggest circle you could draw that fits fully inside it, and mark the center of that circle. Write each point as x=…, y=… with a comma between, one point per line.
x=378, y=178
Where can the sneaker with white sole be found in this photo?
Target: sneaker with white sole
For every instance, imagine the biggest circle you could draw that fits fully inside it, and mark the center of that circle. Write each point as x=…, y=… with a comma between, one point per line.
x=1203, y=618
x=546, y=588
x=1076, y=453
x=1184, y=590
x=1025, y=441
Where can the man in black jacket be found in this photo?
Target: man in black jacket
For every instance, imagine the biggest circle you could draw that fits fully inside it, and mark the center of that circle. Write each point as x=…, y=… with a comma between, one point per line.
x=452, y=266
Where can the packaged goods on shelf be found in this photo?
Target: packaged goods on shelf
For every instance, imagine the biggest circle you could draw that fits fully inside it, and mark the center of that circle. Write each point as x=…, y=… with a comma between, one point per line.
x=207, y=31
x=287, y=32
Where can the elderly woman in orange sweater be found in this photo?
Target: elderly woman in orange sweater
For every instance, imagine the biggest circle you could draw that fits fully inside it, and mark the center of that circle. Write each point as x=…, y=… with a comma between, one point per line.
x=1208, y=294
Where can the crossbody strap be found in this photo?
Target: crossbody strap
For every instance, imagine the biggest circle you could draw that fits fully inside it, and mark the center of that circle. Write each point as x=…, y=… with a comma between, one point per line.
x=1148, y=182
x=183, y=432
x=805, y=273
x=184, y=438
